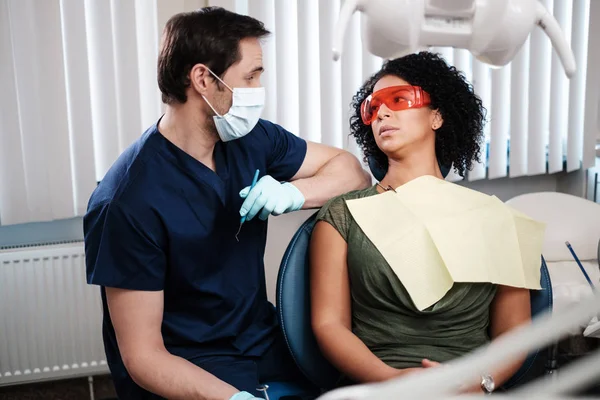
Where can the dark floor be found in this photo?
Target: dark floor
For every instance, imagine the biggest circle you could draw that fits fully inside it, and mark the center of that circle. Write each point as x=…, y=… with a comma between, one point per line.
x=68, y=389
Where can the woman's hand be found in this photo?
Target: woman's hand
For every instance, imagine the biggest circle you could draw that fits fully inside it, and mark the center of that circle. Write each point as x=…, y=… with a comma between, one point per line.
x=473, y=389
x=425, y=363
x=429, y=364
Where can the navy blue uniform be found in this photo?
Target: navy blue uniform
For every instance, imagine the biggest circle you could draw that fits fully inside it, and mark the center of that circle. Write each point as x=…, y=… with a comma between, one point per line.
x=161, y=220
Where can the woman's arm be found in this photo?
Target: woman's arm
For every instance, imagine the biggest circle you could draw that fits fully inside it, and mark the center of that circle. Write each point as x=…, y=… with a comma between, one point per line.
x=331, y=310
x=510, y=308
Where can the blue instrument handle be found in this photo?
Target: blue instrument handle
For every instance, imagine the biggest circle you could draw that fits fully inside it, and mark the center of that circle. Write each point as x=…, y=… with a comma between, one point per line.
x=251, y=187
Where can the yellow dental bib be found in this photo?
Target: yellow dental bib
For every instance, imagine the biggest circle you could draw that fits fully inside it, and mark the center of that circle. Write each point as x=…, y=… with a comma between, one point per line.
x=433, y=233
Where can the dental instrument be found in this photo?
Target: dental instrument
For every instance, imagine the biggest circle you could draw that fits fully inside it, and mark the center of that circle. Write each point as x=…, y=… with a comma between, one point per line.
x=243, y=219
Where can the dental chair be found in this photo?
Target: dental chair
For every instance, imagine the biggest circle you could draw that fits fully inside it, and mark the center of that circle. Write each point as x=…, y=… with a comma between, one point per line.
x=293, y=310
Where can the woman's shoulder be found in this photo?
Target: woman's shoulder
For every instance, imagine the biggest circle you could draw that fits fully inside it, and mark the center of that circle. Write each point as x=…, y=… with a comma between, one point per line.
x=336, y=213
x=339, y=202
x=355, y=194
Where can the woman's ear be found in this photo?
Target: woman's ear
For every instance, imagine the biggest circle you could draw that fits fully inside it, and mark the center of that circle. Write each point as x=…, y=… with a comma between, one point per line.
x=436, y=120
x=199, y=77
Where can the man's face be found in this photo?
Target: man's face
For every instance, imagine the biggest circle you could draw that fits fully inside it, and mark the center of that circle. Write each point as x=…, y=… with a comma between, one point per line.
x=245, y=73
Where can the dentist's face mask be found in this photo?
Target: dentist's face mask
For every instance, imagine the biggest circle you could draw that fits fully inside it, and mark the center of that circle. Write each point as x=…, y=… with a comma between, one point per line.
x=246, y=108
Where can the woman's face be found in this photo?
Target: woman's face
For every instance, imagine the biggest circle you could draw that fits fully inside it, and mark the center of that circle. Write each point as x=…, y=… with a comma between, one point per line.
x=399, y=132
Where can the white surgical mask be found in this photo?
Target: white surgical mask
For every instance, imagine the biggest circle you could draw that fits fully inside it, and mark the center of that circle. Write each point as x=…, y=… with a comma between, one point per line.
x=246, y=107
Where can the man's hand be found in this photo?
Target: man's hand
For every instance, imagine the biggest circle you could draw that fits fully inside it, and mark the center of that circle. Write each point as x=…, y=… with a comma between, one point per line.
x=270, y=197
x=244, y=396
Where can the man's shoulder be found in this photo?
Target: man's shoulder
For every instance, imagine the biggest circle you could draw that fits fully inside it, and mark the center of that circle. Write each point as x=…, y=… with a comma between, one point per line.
x=267, y=126
x=267, y=130
x=121, y=207
x=262, y=137
x=129, y=177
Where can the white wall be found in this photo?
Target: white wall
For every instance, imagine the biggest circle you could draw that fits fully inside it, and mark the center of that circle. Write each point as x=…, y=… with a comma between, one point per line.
x=507, y=188
x=281, y=230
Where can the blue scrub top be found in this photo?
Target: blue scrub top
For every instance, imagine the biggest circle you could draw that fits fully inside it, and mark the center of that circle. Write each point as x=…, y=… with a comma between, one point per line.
x=161, y=220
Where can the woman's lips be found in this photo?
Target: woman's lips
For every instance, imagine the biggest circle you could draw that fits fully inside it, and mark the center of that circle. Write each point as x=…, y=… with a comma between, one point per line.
x=386, y=130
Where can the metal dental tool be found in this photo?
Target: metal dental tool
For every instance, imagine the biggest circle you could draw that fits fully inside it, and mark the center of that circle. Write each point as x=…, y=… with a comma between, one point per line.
x=244, y=217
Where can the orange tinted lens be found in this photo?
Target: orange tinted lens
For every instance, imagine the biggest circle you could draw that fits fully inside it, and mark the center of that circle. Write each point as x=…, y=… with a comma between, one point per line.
x=369, y=109
x=396, y=98
x=366, y=112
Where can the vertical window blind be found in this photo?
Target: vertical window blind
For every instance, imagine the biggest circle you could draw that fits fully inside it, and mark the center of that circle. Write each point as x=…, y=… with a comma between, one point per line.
x=79, y=85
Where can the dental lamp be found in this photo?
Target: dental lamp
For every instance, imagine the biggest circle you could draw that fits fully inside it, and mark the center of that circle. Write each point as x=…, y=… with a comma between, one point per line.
x=492, y=30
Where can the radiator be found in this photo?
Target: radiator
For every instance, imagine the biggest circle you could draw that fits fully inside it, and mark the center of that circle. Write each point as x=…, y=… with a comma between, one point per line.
x=50, y=319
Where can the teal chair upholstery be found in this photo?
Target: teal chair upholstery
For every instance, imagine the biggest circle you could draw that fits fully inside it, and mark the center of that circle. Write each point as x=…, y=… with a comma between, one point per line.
x=293, y=310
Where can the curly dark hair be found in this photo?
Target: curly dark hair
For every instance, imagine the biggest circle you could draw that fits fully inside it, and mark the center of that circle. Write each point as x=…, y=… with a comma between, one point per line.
x=458, y=141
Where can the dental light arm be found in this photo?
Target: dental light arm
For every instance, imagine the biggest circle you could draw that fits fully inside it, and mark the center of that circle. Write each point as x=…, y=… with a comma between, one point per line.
x=492, y=30
x=549, y=24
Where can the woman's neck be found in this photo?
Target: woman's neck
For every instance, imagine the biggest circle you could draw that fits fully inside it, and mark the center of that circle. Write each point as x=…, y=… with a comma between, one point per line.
x=403, y=170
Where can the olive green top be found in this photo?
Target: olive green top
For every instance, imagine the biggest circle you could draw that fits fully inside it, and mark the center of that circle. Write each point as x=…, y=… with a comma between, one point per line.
x=383, y=314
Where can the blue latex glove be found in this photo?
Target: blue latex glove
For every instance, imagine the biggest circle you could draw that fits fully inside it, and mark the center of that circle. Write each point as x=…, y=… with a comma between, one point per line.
x=270, y=197
x=243, y=396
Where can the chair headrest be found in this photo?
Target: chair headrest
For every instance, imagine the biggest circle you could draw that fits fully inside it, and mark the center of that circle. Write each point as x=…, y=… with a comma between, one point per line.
x=567, y=218
x=379, y=172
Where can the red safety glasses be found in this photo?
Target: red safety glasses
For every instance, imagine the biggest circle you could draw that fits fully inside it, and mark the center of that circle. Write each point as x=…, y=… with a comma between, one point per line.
x=395, y=98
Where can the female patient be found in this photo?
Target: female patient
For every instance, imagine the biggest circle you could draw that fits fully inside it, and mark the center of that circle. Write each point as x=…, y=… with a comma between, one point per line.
x=415, y=112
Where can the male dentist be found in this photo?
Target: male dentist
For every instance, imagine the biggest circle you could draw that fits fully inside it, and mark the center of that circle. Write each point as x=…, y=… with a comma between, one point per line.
x=186, y=314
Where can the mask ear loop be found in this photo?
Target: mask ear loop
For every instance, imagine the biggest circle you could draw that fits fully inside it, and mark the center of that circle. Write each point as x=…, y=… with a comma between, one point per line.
x=211, y=107
x=220, y=80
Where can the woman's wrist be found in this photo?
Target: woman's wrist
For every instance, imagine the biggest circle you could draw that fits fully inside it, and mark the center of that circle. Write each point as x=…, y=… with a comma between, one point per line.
x=397, y=372
x=380, y=374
